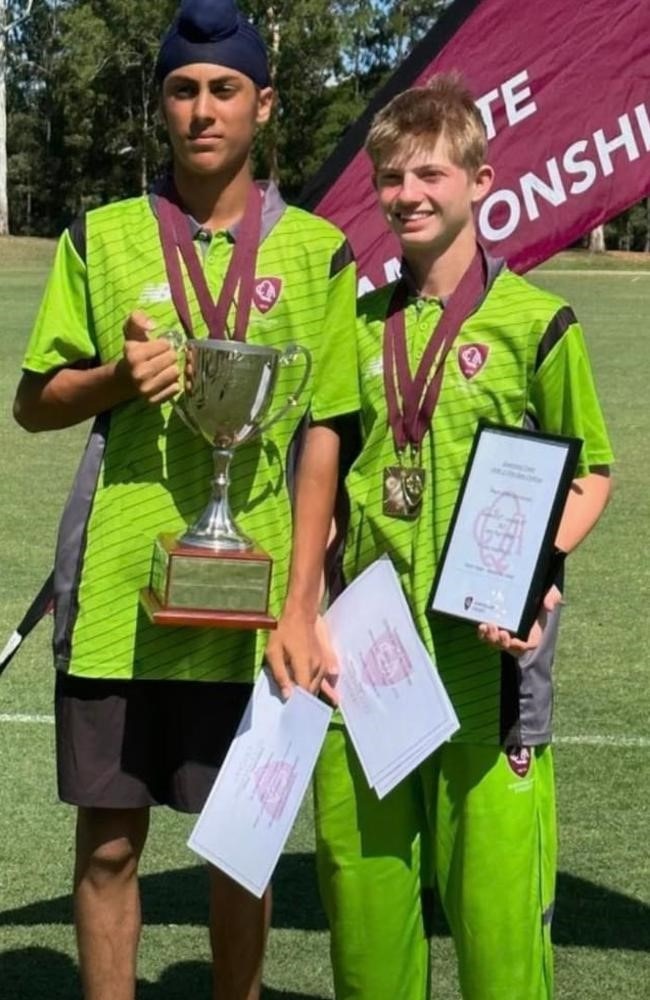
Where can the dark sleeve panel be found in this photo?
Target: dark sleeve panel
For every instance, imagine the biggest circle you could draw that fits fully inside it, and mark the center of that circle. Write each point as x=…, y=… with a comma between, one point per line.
x=78, y=235
x=341, y=258
x=563, y=319
x=348, y=428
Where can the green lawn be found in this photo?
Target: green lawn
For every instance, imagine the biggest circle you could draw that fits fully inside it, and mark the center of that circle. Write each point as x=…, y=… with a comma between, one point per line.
x=602, y=927
x=582, y=260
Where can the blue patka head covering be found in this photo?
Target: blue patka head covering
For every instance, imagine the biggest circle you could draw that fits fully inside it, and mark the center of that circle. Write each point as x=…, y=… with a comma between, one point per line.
x=213, y=31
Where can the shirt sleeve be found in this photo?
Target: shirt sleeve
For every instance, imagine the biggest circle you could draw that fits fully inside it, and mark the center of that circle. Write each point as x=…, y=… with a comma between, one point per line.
x=336, y=380
x=62, y=334
x=563, y=396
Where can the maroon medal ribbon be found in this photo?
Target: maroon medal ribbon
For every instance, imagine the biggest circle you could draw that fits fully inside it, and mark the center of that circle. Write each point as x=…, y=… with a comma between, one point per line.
x=175, y=238
x=410, y=418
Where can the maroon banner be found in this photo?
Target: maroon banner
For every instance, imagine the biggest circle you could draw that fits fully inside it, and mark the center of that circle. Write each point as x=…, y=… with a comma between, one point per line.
x=564, y=92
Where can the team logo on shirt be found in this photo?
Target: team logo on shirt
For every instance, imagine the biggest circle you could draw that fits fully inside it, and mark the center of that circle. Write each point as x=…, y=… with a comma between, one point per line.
x=266, y=293
x=519, y=760
x=471, y=358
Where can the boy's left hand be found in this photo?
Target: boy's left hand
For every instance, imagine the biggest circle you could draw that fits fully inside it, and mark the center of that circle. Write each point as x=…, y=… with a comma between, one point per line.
x=507, y=643
x=297, y=653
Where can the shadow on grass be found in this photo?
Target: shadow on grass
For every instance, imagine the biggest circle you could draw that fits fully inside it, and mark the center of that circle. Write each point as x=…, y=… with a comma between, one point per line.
x=586, y=914
x=35, y=973
x=180, y=897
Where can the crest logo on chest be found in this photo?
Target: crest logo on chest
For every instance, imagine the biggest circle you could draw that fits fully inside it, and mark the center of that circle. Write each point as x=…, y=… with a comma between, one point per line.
x=266, y=293
x=471, y=358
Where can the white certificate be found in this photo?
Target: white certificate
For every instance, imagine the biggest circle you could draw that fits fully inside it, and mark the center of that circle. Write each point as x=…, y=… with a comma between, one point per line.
x=394, y=704
x=251, y=809
x=496, y=558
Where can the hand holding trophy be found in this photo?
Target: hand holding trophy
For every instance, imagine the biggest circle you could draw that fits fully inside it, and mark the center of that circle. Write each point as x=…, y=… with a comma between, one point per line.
x=213, y=575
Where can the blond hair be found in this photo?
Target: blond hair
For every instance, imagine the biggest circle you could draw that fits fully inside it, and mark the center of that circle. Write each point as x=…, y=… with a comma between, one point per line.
x=416, y=118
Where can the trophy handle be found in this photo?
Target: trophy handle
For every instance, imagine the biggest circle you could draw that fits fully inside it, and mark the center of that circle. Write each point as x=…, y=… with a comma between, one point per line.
x=287, y=357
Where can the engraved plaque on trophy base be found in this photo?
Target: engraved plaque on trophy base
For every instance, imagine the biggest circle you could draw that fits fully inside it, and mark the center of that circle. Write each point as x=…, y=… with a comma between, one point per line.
x=196, y=586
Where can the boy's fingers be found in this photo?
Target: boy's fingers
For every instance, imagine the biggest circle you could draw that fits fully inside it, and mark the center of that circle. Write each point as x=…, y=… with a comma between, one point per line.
x=328, y=688
x=328, y=656
x=282, y=679
x=138, y=326
x=488, y=632
x=552, y=598
x=278, y=668
x=306, y=673
x=164, y=394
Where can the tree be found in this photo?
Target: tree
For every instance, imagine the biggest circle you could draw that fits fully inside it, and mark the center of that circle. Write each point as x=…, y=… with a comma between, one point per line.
x=9, y=21
x=303, y=40
x=391, y=31
x=106, y=91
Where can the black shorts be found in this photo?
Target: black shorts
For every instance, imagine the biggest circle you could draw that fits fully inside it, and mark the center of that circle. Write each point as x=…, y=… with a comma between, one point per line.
x=128, y=744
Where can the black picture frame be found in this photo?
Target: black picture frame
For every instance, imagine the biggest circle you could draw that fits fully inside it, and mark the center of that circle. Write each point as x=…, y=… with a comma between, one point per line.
x=546, y=556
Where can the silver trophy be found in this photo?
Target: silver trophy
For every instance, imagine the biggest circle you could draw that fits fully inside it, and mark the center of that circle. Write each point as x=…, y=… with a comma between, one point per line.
x=213, y=574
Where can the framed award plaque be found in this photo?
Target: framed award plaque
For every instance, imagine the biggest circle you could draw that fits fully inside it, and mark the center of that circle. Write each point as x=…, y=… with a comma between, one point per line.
x=498, y=556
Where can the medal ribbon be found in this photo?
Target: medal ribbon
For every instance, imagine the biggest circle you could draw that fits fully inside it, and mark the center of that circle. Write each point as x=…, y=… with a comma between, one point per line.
x=175, y=238
x=419, y=394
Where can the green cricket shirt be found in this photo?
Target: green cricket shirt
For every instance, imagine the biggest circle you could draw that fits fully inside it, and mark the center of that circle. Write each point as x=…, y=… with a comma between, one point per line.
x=520, y=353
x=143, y=471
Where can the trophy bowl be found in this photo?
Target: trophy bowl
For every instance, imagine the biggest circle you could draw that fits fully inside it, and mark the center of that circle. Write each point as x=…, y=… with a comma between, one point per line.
x=229, y=387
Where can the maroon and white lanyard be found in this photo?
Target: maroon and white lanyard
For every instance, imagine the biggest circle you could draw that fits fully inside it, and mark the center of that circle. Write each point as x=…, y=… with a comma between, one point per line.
x=412, y=399
x=240, y=276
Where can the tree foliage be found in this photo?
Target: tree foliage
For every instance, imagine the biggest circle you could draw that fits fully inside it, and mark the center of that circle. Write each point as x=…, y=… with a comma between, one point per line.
x=84, y=125
x=83, y=120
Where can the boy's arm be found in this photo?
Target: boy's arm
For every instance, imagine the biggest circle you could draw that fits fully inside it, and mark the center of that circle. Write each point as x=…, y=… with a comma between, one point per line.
x=587, y=500
x=564, y=401
x=62, y=383
x=293, y=653
x=147, y=369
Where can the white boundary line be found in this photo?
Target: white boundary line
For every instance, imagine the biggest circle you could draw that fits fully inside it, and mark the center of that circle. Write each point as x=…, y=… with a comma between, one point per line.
x=618, y=742
x=589, y=270
x=27, y=719
x=585, y=740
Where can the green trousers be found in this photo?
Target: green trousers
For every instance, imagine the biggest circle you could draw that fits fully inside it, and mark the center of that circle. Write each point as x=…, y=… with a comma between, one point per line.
x=475, y=820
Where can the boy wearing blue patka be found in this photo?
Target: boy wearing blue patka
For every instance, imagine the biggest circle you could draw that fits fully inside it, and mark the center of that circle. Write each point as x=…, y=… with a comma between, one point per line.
x=145, y=714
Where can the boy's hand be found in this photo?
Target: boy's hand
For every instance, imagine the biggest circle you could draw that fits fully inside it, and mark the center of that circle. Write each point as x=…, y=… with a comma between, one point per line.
x=148, y=367
x=502, y=639
x=331, y=675
x=295, y=654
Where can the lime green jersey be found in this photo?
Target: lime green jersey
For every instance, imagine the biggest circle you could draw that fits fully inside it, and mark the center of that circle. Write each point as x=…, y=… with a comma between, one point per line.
x=520, y=354
x=143, y=471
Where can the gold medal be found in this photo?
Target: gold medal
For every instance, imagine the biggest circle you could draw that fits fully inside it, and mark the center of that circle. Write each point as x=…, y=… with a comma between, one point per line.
x=403, y=490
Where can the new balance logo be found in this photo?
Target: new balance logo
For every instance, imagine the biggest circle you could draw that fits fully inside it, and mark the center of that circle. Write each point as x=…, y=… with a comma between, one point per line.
x=155, y=293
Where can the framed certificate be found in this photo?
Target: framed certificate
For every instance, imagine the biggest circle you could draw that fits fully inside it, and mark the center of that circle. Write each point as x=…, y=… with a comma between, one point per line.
x=499, y=550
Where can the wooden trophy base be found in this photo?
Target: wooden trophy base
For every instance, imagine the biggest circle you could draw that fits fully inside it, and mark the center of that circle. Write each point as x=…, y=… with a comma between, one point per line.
x=207, y=589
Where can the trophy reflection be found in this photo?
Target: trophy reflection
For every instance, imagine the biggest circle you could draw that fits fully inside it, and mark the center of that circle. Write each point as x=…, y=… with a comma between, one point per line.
x=214, y=575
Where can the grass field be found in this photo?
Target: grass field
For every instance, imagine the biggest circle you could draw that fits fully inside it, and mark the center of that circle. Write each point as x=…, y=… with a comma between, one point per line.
x=602, y=927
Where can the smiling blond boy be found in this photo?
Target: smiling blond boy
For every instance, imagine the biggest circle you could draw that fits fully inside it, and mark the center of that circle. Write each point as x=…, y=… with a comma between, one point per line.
x=478, y=817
